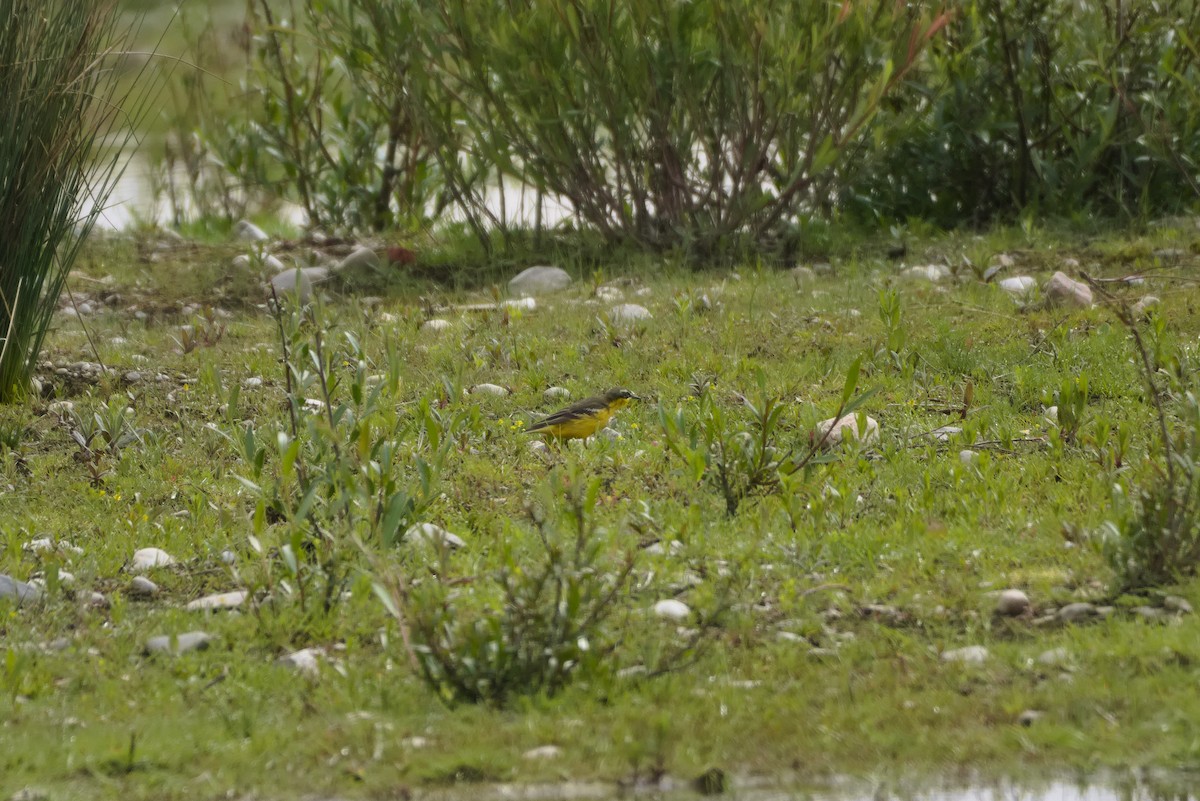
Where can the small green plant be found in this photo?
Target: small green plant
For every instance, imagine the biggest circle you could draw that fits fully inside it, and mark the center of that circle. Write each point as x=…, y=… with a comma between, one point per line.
x=747, y=459
x=1153, y=536
x=344, y=468
x=891, y=315
x=1071, y=402
x=532, y=626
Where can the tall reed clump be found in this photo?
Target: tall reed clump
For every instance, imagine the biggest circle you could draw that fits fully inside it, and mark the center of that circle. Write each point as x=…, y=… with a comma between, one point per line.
x=690, y=126
x=59, y=99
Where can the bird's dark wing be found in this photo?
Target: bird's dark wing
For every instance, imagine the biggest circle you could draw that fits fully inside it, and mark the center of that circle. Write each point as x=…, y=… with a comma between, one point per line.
x=573, y=412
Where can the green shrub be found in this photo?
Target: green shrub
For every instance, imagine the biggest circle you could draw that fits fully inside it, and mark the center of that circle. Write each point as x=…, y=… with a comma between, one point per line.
x=676, y=125
x=1054, y=105
x=59, y=98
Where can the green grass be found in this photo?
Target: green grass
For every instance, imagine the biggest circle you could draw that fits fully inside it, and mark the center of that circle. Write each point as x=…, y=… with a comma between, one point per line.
x=904, y=524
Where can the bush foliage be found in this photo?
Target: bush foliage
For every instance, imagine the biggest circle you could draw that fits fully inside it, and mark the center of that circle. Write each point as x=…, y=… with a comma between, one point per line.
x=713, y=125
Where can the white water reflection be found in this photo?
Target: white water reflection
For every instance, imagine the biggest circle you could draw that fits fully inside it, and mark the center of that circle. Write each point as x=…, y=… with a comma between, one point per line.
x=140, y=196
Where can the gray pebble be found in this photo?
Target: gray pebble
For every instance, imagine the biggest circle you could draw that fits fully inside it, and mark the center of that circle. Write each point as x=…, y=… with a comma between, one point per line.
x=18, y=590
x=142, y=587
x=1011, y=603
x=1077, y=612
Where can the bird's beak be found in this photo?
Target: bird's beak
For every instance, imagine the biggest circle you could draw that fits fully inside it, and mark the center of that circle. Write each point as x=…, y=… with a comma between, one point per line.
x=634, y=397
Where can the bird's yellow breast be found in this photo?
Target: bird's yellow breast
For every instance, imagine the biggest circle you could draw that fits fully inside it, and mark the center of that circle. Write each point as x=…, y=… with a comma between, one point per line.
x=580, y=427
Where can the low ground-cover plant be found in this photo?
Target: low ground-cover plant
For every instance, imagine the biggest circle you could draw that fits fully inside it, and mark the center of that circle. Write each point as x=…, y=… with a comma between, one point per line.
x=745, y=458
x=1153, y=537
x=540, y=621
x=345, y=468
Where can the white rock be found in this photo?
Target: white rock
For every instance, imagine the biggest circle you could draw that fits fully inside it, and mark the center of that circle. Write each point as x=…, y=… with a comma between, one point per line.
x=929, y=272
x=1051, y=414
x=1054, y=657
x=609, y=294
x=1144, y=305
x=538, y=446
x=146, y=558
x=297, y=282
x=359, y=257
x=968, y=457
x=249, y=232
x=539, y=280
x=1062, y=290
x=1011, y=603
x=802, y=274
x=971, y=655
x=629, y=313
x=1020, y=286
x=254, y=382
x=434, y=326
x=302, y=661
x=846, y=428
x=670, y=609
x=557, y=394
x=434, y=535
x=945, y=433
x=489, y=389
x=222, y=600
x=544, y=752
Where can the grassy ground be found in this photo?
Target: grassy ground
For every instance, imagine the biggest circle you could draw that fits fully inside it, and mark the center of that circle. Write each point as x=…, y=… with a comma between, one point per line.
x=800, y=676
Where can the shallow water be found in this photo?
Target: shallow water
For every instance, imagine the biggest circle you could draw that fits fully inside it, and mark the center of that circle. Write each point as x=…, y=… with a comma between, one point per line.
x=136, y=198
x=1159, y=787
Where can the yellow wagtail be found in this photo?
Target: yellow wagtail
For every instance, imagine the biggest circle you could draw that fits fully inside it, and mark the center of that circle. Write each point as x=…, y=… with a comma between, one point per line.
x=584, y=418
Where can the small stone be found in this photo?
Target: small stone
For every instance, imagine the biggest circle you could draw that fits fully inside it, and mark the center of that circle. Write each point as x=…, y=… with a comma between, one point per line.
x=970, y=655
x=221, y=600
x=1020, y=286
x=1005, y=260
x=1070, y=263
x=802, y=274
x=538, y=446
x=627, y=313
x=360, y=257
x=609, y=294
x=1055, y=657
x=180, y=644
x=302, y=661
x=929, y=272
x=18, y=591
x=968, y=457
x=1144, y=305
x=294, y=282
x=670, y=609
x=1051, y=414
x=434, y=326
x=254, y=382
x=249, y=232
x=1180, y=606
x=557, y=394
x=1077, y=612
x=543, y=752
x=489, y=389
x=524, y=304
x=146, y=558
x=539, y=280
x=1149, y=613
x=132, y=377
x=435, y=536
x=142, y=587
x=944, y=433
x=1012, y=603
x=1061, y=290
x=845, y=428
x=1029, y=717
x=97, y=600
x=228, y=557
